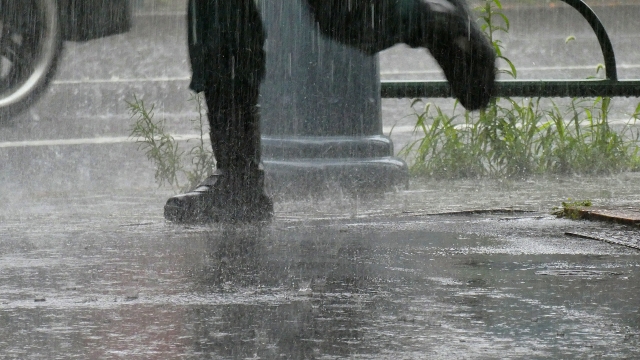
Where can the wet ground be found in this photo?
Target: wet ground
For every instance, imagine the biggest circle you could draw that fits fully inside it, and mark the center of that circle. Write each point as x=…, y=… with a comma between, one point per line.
x=407, y=275
x=90, y=269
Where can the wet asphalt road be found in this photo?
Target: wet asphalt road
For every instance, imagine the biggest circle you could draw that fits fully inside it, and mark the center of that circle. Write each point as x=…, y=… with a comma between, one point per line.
x=103, y=276
x=89, y=269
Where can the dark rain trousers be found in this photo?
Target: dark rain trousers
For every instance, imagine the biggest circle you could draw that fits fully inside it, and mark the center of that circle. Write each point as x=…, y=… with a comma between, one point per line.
x=226, y=39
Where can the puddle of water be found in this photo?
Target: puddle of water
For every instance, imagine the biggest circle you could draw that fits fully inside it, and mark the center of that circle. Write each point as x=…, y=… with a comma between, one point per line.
x=404, y=287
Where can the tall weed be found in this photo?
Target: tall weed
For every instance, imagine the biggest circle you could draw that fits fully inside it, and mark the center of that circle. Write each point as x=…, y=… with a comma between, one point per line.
x=520, y=138
x=164, y=151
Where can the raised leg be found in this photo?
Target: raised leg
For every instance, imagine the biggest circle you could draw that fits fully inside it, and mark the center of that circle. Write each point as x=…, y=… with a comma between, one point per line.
x=444, y=27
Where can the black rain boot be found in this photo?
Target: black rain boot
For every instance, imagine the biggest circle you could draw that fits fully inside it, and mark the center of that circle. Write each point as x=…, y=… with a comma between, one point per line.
x=235, y=192
x=462, y=50
x=222, y=197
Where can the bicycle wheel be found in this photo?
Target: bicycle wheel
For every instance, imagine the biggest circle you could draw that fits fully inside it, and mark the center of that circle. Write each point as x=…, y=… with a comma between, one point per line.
x=30, y=44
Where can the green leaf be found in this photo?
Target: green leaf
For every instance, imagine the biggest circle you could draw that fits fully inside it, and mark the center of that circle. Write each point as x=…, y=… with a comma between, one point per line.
x=497, y=49
x=415, y=101
x=505, y=19
x=513, y=72
x=636, y=114
x=500, y=28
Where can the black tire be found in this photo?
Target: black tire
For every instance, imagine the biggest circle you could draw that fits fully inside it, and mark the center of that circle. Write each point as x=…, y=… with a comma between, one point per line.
x=30, y=45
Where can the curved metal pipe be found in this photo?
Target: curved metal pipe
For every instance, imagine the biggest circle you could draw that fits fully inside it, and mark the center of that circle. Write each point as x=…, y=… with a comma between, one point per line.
x=611, y=86
x=603, y=38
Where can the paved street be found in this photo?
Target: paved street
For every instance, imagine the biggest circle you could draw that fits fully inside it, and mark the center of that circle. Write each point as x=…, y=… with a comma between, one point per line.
x=105, y=277
x=442, y=270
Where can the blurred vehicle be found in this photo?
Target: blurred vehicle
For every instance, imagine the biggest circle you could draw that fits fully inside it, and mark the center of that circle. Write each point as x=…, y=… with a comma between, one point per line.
x=32, y=33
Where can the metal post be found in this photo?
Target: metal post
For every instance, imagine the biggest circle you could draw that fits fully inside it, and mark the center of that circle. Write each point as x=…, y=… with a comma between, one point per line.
x=321, y=117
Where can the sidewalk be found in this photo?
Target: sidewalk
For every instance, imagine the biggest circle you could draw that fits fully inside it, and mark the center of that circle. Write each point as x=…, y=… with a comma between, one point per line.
x=104, y=276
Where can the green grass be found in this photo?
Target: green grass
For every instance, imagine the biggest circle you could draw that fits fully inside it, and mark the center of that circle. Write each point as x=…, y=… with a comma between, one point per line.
x=519, y=138
x=571, y=209
x=174, y=167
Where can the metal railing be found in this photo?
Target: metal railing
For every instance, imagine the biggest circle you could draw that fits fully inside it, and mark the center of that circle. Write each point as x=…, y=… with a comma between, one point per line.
x=610, y=86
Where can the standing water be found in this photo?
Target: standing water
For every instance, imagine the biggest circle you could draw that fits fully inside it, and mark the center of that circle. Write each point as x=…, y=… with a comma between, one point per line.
x=90, y=269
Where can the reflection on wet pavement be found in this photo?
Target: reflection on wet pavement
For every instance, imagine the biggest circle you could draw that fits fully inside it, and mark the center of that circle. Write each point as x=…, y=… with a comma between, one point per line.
x=128, y=285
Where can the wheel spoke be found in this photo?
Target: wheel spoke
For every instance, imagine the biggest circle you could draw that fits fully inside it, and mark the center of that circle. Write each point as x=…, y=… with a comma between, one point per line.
x=18, y=49
x=18, y=60
x=10, y=50
x=9, y=77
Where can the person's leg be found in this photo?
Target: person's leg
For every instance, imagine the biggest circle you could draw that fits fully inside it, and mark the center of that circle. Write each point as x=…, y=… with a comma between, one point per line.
x=444, y=27
x=226, y=41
